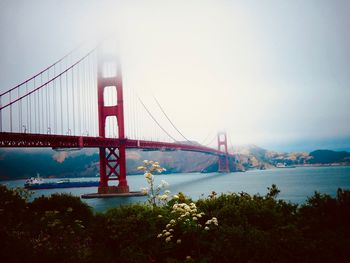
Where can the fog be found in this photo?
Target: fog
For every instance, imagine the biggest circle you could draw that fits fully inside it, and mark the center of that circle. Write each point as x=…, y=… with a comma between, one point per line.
x=267, y=72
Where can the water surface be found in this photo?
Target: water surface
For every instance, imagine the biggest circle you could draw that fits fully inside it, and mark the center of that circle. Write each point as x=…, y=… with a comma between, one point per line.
x=296, y=184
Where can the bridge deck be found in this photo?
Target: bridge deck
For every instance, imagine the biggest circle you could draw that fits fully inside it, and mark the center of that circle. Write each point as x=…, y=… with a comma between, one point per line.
x=26, y=140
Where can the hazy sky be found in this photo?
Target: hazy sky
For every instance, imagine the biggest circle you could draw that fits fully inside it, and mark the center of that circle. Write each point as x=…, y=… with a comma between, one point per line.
x=268, y=72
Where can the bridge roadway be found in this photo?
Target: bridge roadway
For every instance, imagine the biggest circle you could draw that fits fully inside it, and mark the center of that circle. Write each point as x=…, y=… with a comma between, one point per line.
x=24, y=140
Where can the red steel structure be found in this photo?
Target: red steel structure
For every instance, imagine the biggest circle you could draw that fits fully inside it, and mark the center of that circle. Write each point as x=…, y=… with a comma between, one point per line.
x=39, y=118
x=22, y=140
x=223, y=159
x=112, y=159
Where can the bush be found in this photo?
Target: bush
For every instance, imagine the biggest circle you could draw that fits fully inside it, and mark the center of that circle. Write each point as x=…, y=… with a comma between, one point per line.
x=251, y=228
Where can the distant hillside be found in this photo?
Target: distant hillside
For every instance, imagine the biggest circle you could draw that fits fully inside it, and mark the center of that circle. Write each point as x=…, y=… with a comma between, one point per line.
x=16, y=164
x=252, y=156
x=327, y=156
x=20, y=164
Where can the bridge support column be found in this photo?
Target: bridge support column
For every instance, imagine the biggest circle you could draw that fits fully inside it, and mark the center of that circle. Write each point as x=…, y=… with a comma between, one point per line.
x=223, y=160
x=112, y=160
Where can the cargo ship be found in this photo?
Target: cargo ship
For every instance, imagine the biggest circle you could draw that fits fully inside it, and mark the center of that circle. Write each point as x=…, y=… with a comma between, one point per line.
x=38, y=183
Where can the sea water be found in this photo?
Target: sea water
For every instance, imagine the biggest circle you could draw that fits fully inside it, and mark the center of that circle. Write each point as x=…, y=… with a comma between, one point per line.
x=296, y=184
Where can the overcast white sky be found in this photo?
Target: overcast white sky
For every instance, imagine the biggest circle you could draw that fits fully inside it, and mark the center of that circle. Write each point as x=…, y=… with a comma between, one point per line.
x=268, y=72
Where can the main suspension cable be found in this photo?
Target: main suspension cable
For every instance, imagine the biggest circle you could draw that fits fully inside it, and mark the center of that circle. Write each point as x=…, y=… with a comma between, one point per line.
x=48, y=68
x=172, y=124
x=150, y=114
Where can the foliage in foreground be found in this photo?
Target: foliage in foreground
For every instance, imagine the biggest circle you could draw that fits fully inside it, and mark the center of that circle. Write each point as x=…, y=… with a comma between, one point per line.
x=255, y=228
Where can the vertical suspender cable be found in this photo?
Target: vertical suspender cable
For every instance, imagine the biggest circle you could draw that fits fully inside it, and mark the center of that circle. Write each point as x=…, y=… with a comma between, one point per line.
x=93, y=101
x=46, y=107
x=61, y=94
x=67, y=99
x=42, y=102
x=86, y=92
x=28, y=109
x=78, y=100
x=94, y=72
x=48, y=102
x=19, y=114
x=83, y=97
x=54, y=102
x=83, y=90
x=73, y=97
x=10, y=113
x=40, y=113
x=35, y=122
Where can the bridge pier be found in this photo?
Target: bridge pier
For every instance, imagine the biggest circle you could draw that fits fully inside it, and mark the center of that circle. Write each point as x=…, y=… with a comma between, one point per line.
x=110, y=161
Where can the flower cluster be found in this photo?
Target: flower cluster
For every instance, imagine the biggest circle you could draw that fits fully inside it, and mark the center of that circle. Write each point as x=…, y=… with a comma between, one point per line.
x=186, y=215
x=151, y=167
x=154, y=193
x=213, y=221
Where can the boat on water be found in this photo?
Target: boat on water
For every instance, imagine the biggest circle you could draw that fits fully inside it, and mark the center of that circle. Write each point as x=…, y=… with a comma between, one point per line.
x=36, y=183
x=283, y=165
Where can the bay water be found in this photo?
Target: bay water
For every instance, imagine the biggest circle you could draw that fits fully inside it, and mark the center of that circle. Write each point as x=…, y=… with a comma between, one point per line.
x=296, y=184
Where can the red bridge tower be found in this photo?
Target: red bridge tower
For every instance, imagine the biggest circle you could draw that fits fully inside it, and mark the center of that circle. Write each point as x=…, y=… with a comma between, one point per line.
x=112, y=160
x=222, y=146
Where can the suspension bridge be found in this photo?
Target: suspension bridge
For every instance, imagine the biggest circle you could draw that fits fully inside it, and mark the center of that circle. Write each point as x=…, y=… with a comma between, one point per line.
x=79, y=102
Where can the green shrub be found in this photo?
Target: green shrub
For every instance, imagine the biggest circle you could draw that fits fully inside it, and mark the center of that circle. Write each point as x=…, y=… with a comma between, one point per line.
x=251, y=228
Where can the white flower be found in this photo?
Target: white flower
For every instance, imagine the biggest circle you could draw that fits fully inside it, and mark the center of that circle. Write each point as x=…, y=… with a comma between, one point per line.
x=178, y=241
x=148, y=176
x=175, y=196
x=163, y=197
x=212, y=221
x=206, y=228
x=168, y=239
x=215, y=221
x=172, y=221
x=159, y=236
x=167, y=234
x=195, y=218
x=160, y=216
